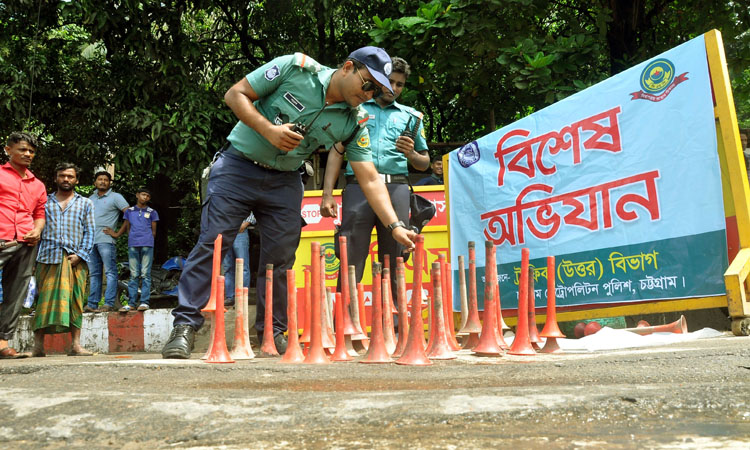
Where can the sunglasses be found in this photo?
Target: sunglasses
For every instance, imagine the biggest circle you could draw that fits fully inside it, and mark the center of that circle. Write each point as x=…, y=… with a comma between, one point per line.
x=370, y=85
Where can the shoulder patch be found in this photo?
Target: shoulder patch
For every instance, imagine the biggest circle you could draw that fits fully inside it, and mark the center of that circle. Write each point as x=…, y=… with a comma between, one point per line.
x=363, y=141
x=307, y=63
x=272, y=73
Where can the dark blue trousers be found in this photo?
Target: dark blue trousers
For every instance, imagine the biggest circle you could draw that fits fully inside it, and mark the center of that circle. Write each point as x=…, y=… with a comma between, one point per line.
x=236, y=187
x=357, y=221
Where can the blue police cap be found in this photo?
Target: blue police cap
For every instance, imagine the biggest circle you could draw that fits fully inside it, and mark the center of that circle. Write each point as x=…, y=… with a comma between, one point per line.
x=377, y=62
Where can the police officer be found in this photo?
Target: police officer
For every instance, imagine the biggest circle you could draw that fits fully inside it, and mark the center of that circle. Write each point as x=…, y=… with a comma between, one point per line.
x=397, y=139
x=286, y=108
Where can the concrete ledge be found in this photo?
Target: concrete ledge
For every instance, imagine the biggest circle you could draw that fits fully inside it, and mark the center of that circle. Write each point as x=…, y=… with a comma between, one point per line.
x=145, y=331
x=115, y=332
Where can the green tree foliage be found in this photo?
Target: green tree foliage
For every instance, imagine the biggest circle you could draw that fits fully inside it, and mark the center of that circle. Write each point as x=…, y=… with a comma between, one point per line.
x=140, y=83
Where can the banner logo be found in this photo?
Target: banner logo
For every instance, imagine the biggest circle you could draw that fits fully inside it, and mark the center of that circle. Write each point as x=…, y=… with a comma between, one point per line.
x=658, y=80
x=468, y=154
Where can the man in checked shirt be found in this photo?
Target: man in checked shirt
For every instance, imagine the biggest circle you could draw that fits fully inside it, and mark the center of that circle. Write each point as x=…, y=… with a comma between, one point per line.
x=62, y=262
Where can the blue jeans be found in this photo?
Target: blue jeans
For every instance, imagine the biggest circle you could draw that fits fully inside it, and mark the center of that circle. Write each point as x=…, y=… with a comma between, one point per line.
x=103, y=255
x=140, y=260
x=240, y=249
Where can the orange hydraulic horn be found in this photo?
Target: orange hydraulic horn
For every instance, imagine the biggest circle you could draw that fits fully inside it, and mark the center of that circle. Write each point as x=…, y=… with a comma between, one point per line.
x=329, y=343
x=441, y=348
x=496, y=297
x=414, y=354
x=305, y=338
x=403, y=313
x=241, y=348
x=388, y=334
x=488, y=345
x=293, y=352
x=522, y=343
x=473, y=326
x=215, y=272
x=446, y=289
x=349, y=328
x=268, y=348
x=218, y=352
x=551, y=330
x=315, y=354
x=211, y=305
x=679, y=326
x=340, y=353
x=377, y=353
x=462, y=293
x=533, y=330
x=359, y=341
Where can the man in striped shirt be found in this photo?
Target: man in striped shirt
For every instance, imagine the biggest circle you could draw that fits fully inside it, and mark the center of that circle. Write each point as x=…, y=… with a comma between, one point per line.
x=62, y=262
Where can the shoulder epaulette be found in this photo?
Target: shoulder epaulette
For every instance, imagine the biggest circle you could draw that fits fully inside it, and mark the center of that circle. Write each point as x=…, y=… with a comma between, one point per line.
x=412, y=111
x=307, y=63
x=362, y=116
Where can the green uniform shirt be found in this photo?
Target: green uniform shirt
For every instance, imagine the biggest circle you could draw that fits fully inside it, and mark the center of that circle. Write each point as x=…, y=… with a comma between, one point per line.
x=292, y=89
x=385, y=125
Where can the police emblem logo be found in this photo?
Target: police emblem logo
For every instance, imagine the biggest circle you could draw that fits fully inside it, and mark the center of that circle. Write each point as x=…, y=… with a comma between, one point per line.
x=364, y=141
x=272, y=73
x=468, y=154
x=657, y=76
x=658, y=80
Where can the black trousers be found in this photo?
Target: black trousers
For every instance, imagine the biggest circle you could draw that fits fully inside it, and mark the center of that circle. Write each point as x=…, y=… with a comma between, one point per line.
x=17, y=264
x=357, y=221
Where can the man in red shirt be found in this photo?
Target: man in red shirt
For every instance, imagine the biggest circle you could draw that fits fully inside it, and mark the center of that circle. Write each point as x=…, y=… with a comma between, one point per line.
x=22, y=199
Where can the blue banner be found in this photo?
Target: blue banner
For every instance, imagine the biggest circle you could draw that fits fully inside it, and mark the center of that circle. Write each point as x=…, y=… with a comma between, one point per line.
x=630, y=163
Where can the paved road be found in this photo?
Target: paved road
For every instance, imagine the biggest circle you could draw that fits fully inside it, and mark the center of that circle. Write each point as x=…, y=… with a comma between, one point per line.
x=690, y=395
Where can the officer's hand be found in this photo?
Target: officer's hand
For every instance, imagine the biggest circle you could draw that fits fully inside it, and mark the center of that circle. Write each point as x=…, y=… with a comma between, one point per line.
x=283, y=138
x=405, y=144
x=328, y=207
x=404, y=237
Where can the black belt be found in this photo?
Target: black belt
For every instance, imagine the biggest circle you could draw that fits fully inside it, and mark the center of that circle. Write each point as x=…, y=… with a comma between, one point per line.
x=229, y=149
x=386, y=177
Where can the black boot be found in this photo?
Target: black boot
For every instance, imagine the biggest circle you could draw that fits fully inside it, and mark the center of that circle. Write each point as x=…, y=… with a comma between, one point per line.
x=180, y=343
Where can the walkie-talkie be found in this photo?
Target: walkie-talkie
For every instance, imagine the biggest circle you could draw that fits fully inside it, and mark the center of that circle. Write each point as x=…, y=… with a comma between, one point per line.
x=411, y=132
x=301, y=128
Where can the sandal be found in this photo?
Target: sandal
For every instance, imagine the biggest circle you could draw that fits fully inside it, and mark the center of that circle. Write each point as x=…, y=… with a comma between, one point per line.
x=10, y=353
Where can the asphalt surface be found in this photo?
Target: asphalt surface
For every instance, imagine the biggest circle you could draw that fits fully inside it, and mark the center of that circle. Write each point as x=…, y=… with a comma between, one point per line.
x=689, y=395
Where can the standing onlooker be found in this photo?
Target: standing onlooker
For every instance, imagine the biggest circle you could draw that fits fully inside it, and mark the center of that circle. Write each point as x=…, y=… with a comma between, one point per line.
x=436, y=177
x=240, y=249
x=22, y=199
x=141, y=221
x=107, y=208
x=62, y=263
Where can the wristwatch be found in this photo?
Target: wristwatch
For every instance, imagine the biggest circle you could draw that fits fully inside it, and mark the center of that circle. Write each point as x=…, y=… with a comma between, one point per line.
x=395, y=225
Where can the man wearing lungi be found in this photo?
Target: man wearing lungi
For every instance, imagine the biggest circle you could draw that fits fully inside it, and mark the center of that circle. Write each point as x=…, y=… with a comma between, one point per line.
x=62, y=262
